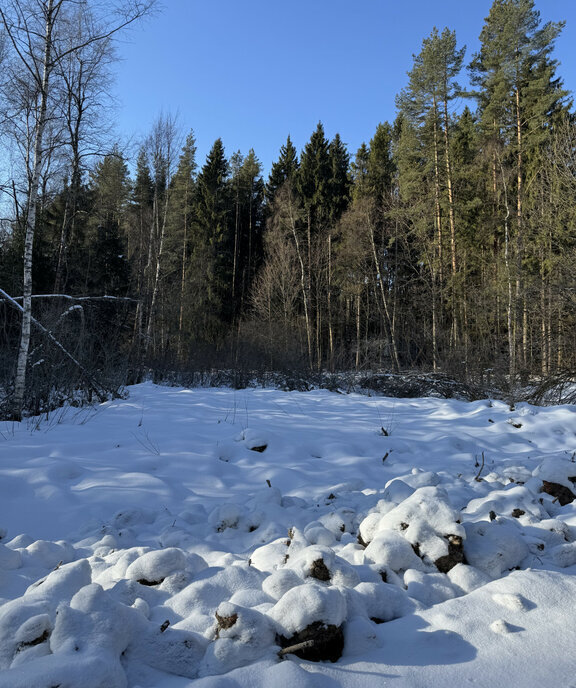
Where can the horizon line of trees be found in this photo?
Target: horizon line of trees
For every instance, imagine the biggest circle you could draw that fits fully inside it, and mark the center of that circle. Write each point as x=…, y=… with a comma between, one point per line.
x=446, y=243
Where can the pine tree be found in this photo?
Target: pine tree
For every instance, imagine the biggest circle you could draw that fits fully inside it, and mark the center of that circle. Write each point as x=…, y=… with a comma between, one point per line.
x=519, y=100
x=425, y=104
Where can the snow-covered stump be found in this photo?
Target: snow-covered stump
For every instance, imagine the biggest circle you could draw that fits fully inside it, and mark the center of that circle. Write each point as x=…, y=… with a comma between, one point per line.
x=563, y=494
x=242, y=636
x=322, y=564
x=558, y=479
x=309, y=620
x=455, y=554
x=317, y=642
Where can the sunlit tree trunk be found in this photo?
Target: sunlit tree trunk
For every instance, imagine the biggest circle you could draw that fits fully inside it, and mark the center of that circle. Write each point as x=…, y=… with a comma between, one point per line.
x=37, y=159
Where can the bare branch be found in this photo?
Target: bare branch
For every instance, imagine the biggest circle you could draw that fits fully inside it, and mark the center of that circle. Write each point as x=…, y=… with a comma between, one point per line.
x=96, y=387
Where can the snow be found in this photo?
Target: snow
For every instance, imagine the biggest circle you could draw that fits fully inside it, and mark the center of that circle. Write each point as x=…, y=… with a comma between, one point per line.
x=307, y=604
x=176, y=537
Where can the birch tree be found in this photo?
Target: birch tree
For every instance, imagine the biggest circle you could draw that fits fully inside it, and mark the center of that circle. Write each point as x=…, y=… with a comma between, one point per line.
x=40, y=39
x=162, y=145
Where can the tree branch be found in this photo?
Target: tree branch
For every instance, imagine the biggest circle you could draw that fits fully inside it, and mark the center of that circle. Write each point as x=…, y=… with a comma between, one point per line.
x=101, y=393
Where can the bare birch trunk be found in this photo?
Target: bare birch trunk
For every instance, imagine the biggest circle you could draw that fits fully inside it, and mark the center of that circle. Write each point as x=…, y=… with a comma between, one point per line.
x=389, y=324
x=161, y=232
x=20, y=379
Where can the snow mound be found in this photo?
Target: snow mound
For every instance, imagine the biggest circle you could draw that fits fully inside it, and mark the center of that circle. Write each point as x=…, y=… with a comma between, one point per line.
x=306, y=604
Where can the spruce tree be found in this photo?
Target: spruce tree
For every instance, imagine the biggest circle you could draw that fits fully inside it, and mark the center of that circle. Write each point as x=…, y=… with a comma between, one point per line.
x=252, y=221
x=340, y=181
x=313, y=180
x=211, y=264
x=107, y=271
x=380, y=165
x=247, y=189
x=284, y=169
x=359, y=172
x=140, y=217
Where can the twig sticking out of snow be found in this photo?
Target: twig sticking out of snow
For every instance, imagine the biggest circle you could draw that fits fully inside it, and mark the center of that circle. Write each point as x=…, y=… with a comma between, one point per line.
x=297, y=647
x=478, y=478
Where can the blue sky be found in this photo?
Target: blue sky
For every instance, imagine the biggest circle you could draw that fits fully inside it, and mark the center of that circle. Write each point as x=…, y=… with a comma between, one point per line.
x=253, y=71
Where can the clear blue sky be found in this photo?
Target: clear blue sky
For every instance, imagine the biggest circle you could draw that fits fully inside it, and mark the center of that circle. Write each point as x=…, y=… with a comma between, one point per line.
x=253, y=71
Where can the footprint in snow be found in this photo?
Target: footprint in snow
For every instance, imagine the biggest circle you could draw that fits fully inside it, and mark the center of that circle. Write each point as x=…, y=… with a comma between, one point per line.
x=515, y=603
x=503, y=627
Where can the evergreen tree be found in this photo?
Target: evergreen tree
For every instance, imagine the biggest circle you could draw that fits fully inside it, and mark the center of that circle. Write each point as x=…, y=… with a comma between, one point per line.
x=519, y=100
x=418, y=214
x=425, y=105
x=359, y=172
x=284, y=169
x=313, y=181
x=426, y=102
x=340, y=181
x=252, y=220
x=473, y=215
x=140, y=218
x=380, y=165
x=179, y=223
x=108, y=269
x=212, y=246
x=237, y=193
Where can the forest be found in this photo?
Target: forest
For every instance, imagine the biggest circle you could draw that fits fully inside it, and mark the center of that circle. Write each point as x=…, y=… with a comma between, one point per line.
x=445, y=244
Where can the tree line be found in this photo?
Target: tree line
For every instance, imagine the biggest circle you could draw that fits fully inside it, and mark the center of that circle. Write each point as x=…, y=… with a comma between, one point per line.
x=446, y=243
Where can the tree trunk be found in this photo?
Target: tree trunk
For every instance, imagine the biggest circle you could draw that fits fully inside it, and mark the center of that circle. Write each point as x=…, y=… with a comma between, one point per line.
x=329, y=306
x=380, y=278
x=304, y=287
x=20, y=379
x=160, y=232
x=437, y=209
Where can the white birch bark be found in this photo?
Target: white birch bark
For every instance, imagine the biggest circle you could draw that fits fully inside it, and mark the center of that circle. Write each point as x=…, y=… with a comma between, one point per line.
x=20, y=379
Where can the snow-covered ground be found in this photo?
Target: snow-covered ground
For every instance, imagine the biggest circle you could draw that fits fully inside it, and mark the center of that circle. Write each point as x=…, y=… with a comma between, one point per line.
x=190, y=537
